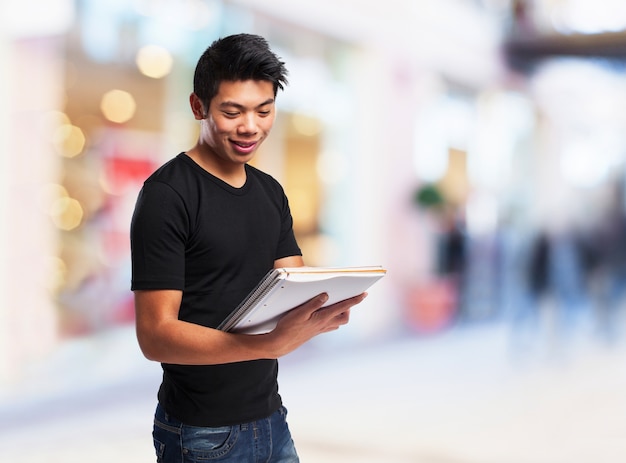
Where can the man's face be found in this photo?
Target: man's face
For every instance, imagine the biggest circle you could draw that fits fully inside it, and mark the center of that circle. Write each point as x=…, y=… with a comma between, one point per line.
x=239, y=119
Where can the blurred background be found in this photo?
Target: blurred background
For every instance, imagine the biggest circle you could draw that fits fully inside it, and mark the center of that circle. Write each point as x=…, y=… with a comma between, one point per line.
x=475, y=148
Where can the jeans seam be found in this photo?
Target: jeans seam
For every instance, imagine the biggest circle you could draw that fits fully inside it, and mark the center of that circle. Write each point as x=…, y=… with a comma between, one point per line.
x=167, y=427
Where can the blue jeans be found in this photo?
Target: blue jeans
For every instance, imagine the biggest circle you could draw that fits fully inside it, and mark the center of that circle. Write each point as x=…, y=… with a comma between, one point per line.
x=267, y=440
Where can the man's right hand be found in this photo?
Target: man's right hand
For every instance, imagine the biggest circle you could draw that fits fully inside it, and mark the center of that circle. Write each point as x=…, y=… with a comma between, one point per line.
x=310, y=319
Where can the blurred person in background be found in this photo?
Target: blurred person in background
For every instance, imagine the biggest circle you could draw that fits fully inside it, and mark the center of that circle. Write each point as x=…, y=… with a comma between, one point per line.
x=605, y=259
x=207, y=227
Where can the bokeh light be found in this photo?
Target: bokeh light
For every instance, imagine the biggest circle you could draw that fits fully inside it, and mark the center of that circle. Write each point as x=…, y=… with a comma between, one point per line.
x=69, y=140
x=118, y=106
x=49, y=194
x=154, y=61
x=56, y=271
x=306, y=125
x=66, y=213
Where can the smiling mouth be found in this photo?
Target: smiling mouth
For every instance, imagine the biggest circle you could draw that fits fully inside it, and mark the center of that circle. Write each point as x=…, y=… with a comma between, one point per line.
x=244, y=144
x=244, y=147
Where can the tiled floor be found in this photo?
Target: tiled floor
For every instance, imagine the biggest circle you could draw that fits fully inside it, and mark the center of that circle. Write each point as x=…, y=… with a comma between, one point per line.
x=461, y=397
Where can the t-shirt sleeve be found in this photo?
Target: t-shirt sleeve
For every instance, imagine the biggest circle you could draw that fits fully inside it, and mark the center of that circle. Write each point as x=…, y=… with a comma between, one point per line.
x=158, y=233
x=287, y=245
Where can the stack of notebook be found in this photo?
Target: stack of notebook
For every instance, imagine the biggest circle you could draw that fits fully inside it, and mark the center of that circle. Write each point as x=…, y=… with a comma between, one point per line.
x=283, y=289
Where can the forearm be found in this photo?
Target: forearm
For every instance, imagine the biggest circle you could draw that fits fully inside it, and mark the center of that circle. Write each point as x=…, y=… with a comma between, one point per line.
x=179, y=342
x=164, y=338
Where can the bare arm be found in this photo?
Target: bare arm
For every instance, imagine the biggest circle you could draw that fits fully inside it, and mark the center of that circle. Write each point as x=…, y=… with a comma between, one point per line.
x=164, y=338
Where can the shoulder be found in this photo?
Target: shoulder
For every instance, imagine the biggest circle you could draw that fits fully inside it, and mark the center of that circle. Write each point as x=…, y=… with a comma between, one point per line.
x=179, y=175
x=173, y=171
x=168, y=186
x=264, y=179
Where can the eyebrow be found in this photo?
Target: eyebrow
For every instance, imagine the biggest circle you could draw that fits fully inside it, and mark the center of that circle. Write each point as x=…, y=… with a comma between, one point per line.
x=233, y=104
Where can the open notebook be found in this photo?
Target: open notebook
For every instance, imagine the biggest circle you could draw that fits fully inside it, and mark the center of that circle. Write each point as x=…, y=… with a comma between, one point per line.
x=283, y=289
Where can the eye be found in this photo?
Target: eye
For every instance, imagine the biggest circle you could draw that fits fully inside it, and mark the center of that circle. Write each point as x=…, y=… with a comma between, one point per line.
x=265, y=113
x=231, y=114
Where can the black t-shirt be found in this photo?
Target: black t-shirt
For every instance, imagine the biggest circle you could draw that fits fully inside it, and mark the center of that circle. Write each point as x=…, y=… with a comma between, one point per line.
x=195, y=233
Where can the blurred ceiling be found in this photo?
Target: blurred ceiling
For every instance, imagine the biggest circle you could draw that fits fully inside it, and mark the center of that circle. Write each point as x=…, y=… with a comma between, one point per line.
x=472, y=42
x=459, y=38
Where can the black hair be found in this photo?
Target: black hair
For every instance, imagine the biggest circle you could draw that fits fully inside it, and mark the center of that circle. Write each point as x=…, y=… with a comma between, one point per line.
x=235, y=58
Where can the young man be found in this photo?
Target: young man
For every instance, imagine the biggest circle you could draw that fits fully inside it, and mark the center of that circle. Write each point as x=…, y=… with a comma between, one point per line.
x=207, y=227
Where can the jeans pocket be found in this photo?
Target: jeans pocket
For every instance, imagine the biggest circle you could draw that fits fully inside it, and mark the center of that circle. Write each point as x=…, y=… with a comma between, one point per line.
x=201, y=444
x=159, y=448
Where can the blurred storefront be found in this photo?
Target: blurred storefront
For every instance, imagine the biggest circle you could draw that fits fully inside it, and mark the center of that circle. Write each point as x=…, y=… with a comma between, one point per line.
x=433, y=137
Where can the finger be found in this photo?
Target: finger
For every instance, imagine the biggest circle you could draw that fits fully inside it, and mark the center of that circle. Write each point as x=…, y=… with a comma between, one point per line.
x=344, y=305
x=336, y=322
x=314, y=303
x=333, y=316
x=342, y=318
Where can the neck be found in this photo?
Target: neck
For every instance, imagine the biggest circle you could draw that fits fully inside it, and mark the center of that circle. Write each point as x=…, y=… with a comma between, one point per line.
x=233, y=174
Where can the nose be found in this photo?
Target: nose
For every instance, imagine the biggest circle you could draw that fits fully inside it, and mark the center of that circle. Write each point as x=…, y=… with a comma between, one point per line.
x=248, y=124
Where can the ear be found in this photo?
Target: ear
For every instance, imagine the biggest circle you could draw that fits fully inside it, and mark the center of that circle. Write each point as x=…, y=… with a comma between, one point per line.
x=197, y=107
